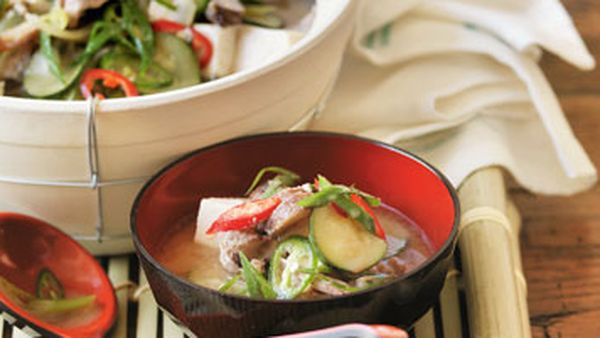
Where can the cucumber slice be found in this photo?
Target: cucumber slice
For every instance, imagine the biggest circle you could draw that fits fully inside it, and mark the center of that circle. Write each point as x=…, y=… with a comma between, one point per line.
x=39, y=80
x=128, y=65
x=343, y=242
x=293, y=267
x=176, y=57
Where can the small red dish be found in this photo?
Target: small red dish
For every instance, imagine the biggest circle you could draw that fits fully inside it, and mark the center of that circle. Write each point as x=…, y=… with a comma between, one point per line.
x=28, y=245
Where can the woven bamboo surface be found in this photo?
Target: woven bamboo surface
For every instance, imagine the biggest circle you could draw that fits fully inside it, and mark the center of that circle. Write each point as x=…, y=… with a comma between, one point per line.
x=143, y=319
x=484, y=294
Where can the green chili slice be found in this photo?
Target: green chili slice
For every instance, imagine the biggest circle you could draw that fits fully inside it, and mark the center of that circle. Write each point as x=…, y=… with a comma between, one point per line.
x=291, y=263
x=48, y=286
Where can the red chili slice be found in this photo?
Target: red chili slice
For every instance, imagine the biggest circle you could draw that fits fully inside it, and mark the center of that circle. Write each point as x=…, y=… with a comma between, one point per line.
x=365, y=206
x=200, y=43
x=109, y=78
x=245, y=215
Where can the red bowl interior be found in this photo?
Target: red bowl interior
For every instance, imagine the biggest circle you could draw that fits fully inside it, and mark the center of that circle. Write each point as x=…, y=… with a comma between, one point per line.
x=27, y=245
x=398, y=178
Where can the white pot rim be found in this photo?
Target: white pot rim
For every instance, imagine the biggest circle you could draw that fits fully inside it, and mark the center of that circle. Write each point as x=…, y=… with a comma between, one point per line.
x=313, y=37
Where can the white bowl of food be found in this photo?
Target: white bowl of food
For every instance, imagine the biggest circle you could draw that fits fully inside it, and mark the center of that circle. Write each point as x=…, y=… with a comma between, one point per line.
x=78, y=164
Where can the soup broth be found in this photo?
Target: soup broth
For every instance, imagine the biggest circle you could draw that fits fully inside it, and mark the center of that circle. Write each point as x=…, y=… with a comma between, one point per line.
x=200, y=263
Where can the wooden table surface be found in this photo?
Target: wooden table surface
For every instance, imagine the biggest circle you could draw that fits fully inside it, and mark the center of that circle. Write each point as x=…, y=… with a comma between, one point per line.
x=561, y=235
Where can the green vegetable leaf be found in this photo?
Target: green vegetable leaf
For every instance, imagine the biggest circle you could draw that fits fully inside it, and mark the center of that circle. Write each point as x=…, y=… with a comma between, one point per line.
x=285, y=177
x=102, y=32
x=51, y=55
x=201, y=6
x=49, y=306
x=258, y=286
x=323, y=196
x=323, y=182
x=168, y=4
x=138, y=27
x=228, y=284
x=355, y=212
x=371, y=200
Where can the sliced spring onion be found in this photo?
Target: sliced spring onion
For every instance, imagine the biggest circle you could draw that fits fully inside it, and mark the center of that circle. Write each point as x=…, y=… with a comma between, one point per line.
x=168, y=4
x=323, y=196
x=137, y=25
x=201, y=6
x=355, y=212
x=258, y=286
x=229, y=283
x=44, y=306
x=51, y=55
x=48, y=306
x=286, y=177
x=14, y=291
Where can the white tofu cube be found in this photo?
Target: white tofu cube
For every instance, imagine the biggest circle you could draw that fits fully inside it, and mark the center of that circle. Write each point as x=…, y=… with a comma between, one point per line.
x=258, y=46
x=184, y=12
x=210, y=209
x=224, y=44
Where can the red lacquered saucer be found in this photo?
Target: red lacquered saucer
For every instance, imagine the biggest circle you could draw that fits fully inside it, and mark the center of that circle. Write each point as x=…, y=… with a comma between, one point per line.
x=28, y=245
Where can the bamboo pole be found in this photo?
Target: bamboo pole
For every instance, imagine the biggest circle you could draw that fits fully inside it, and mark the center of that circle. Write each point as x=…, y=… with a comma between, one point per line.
x=118, y=273
x=170, y=329
x=147, y=312
x=450, y=305
x=487, y=255
x=425, y=327
x=515, y=220
x=17, y=333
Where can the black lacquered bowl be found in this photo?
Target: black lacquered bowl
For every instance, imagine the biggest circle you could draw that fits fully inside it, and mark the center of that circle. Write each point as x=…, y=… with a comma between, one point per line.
x=402, y=180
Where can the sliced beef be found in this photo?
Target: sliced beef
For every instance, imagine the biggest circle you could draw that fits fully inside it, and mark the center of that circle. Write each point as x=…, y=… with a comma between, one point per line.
x=258, y=191
x=18, y=36
x=232, y=242
x=287, y=212
x=225, y=12
x=400, y=264
x=331, y=286
x=14, y=62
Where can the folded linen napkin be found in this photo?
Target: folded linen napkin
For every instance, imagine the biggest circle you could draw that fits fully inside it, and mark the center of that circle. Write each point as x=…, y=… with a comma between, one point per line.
x=457, y=82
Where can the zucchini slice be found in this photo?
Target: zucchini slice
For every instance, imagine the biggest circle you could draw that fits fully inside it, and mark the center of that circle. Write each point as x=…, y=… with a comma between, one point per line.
x=343, y=242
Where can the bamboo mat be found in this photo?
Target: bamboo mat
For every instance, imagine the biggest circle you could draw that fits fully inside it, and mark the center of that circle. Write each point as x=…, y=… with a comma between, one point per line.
x=143, y=319
x=484, y=295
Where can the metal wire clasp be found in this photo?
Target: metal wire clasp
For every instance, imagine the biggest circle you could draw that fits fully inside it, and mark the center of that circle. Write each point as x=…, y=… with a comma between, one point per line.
x=93, y=163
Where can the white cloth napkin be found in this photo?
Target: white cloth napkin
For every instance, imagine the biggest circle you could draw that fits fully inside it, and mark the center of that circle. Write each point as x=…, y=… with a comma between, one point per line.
x=457, y=82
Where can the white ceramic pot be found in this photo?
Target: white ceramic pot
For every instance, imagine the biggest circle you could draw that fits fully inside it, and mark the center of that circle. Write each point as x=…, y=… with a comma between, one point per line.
x=49, y=167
